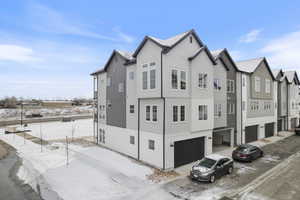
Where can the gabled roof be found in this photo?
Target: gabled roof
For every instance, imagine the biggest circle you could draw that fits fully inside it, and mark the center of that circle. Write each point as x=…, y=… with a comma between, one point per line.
x=291, y=76
x=169, y=43
x=283, y=78
x=204, y=48
x=218, y=54
x=249, y=66
x=127, y=57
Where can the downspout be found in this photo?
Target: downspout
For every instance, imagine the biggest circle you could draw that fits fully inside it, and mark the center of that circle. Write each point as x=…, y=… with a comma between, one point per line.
x=164, y=108
x=138, y=128
x=288, y=107
x=242, y=108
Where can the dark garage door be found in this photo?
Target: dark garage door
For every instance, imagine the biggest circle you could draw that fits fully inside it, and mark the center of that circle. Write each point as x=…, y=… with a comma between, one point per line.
x=251, y=134
x=269, y=130
x=187, y=151
x=279, y=125
x=293, y=123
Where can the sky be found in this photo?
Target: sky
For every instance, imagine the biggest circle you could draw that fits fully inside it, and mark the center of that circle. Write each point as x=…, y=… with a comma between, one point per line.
x=48, y=48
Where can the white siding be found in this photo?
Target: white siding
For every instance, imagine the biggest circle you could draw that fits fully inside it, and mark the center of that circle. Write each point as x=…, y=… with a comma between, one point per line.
x=131, y=98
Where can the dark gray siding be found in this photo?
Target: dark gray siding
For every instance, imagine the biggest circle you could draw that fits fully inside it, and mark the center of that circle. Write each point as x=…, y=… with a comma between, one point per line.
x=116, y=114
x=231, y=97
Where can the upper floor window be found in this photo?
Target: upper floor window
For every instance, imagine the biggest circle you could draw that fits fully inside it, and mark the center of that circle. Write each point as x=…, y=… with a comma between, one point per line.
x=108, y=81
x=202, y=110
x=177, y=112
x=108, y=103
x=121, y=87
x=217, y=84
x=152, y=79
x=254, y=105
x=230, y=108
x=174, y=79
x=230, y=86
x=131, y=75
x=154, y=113
x=191, y=39
x=182, y=80
x=152, y=64
x=131, y=108
x=151, y=144
x=148, y=108
x=182, y=113
x=218, y=110
x=244, y=81
x=257, y=84
x=145, y=80
x=145, y=65
x=268, y=86
x=202, y=80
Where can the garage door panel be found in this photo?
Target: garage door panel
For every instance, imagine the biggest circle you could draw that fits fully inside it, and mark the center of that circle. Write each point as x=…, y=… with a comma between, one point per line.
x=251, y=133
x=187, y=151
x=269, y=130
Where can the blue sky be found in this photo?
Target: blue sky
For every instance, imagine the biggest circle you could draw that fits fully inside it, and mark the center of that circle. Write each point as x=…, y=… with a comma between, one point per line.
x=48, y=48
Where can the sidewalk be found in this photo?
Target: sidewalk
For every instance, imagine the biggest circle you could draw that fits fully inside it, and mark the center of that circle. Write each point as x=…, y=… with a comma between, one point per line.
x=185, y=169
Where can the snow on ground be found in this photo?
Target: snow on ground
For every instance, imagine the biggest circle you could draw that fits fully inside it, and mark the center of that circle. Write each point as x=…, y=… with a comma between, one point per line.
x=270, y=158
x=242, y=169
x=59, y=130
x=214, y=193
x=93, y=172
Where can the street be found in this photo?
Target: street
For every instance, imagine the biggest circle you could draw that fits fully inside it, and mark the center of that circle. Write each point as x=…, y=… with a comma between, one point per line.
x=244, y=173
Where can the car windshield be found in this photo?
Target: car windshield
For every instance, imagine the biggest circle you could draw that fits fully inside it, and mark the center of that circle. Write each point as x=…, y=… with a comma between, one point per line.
x=242, y=149
x=207, y=162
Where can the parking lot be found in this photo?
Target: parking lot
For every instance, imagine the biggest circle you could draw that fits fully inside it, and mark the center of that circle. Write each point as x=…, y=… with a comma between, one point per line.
x=244, y=173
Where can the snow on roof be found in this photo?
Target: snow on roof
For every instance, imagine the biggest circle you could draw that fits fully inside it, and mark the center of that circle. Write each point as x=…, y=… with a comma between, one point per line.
x=170, y=41
x=215, y=156
x=216, y=53
x=249, y=65
x=125, y=54
x=290, y=75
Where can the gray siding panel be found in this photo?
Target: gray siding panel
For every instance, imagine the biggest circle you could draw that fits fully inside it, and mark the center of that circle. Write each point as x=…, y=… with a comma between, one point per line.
x=116, y=115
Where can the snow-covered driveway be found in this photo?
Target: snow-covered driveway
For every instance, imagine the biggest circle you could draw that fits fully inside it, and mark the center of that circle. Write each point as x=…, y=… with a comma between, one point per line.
x=93, y=172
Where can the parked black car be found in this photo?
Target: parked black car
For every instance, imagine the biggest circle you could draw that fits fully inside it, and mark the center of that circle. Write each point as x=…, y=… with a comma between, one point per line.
x=297, y=130
x=247, y=153
x=211, y=168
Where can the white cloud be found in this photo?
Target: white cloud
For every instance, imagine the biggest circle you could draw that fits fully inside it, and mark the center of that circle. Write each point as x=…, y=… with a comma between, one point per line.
x=16, y=53
x=250, y=37
x=45, y=19
x=284, y=51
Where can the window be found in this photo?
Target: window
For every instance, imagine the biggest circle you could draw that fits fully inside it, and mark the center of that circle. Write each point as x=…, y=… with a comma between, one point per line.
x=243, y=81
x=131, y=75
x=268, y=86
x=174, y=79
x=145, y=80
x=218, y=110
x=254, y=105
x=183, y=80
x=154, y=113
x=108, y=104
x=152, y=63
x=148, y=113
x=257, y=84
x=108, y=82
x=175, y=113
x=202, y=109
x=131, y=108
x=202, y=80
x=121, y=87
x=182, y=113
x=151, y=144
x=145, y=65
x=217, y=85
x=230, y=86
x=152, y=79
x=131, y=139
x=230, y=108
x=191, y=39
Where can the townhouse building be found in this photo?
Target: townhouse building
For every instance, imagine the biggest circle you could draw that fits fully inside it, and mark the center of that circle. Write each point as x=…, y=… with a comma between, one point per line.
x=257, y=88
x=172, y=101
x=293, y=99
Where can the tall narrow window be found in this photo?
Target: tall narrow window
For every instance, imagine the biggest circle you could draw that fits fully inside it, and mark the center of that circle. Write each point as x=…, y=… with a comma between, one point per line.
x=145, y=80
x=268, y=86
x=108, y=81
x=182, y=80
x=131, y=109
x=151, y=144
x=202, y=109
x=154, y=113
x=148, y=113
x=182, y=113
x=131, y=75
x=219, y=110
x=175, y=113
x=257, y=84
x=121, y=87
x=174, y=79
x=202, y=80
x=152, y=79
x=217, y=84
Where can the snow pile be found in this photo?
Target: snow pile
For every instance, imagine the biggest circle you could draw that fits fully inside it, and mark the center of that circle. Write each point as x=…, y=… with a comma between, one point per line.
x=93, y=172
x=270, y=159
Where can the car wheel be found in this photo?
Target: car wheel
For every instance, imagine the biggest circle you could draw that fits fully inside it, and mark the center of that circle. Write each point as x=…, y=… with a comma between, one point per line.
x=230, y=170
x=212, y=179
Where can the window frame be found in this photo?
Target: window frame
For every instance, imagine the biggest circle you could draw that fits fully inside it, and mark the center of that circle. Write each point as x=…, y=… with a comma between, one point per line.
x=151, y=144
x=148, y=113
x=202, y=112
x=132, y=140
x=154, y=114
x=152, y=73
x=202, y=80
x=174, y=79
x=131, y=108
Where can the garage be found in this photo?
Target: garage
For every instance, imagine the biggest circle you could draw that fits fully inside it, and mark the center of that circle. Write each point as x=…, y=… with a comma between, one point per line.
x=279, y=125
x=187, y=151
x=269, y=130
x=251, y=133
x=293, y=123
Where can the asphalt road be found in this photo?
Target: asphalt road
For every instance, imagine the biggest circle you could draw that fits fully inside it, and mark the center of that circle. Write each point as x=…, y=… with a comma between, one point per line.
x=244, y=173
x=11, y=188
